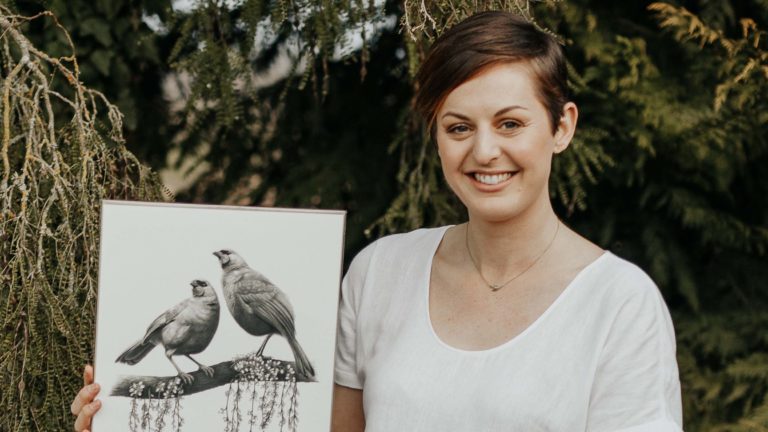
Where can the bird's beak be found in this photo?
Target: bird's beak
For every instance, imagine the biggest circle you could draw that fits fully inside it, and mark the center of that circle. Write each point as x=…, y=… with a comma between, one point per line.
x=218, y=254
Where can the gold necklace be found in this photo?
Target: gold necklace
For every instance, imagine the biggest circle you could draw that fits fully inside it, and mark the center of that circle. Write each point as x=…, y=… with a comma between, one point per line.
x=496, y=287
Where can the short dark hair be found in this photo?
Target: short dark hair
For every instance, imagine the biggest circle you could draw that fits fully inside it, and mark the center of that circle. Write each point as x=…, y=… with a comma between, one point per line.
x=486, y=39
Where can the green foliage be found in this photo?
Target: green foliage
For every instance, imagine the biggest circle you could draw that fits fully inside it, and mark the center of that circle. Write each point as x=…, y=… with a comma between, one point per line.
x=217, y=47
x=724, y=370
x=119, y=56
x=56, y=169
x=725, y=349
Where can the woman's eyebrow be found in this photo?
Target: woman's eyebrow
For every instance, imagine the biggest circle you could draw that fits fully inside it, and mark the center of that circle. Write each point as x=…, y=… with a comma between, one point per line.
x=509, y=108
x=457, y=115
x=498, y=113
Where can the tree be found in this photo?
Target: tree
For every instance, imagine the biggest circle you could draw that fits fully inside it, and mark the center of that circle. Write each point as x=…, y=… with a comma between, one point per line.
x=62, y=153
x=120, y=56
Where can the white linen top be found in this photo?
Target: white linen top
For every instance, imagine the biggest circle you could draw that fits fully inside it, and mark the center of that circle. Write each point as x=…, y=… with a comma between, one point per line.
x=600, y=358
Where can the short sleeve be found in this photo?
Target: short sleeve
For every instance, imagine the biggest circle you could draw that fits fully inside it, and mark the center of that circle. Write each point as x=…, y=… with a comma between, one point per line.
x=346, y=368
x=637, y=385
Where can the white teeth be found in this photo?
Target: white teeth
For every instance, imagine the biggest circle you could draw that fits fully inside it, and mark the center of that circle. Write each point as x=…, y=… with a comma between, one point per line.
x=492, y=179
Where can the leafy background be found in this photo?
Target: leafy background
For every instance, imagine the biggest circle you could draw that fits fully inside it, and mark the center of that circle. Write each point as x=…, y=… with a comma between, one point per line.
x=308, y=103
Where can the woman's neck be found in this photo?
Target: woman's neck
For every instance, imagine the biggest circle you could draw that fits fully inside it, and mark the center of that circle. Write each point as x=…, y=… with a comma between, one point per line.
x=501, y=248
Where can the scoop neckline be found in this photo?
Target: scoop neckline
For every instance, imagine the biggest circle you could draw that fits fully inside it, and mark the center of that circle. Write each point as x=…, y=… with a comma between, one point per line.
x=512, y=341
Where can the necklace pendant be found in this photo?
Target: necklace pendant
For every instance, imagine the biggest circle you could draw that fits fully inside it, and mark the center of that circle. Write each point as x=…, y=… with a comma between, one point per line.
x=494, y=287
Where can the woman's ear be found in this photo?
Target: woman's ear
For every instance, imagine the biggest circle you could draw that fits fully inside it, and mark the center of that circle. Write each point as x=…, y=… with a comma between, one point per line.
x=566, y=127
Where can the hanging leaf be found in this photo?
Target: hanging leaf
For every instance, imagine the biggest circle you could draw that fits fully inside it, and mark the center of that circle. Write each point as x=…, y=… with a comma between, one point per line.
x=98, y=28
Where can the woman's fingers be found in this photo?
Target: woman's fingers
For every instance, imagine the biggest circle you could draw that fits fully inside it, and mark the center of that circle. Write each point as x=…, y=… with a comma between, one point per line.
x=87, y=375
x=84, y=406
x=86, y=414
x=87, y=393
x=84, y=397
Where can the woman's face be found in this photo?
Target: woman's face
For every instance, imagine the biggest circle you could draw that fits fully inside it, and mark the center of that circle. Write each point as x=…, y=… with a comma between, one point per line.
x=496, y=144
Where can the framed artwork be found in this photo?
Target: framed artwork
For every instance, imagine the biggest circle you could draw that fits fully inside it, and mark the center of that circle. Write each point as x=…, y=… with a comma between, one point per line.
x=216, y=318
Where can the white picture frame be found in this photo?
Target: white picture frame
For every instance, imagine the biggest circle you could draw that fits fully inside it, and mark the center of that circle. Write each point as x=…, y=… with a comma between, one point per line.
x=157, y=265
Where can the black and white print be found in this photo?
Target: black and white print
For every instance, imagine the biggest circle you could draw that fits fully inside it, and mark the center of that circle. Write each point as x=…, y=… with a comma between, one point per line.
x=215, y=318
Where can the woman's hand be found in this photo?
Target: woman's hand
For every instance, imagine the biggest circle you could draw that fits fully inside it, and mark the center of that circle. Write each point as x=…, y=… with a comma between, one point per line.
x=84, y=406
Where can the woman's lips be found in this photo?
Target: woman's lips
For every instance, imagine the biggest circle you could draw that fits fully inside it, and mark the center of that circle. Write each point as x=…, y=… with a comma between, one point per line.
x=492, y=179
x=491, y=182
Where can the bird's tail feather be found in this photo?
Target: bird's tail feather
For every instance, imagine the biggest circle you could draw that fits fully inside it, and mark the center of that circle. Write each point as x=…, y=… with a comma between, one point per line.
x=134, y=354
x=303, y=366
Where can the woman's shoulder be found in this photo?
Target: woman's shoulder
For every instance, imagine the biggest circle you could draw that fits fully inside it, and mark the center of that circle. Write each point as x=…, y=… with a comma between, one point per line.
x=418, y=237
x=620, y=281
x=422, y=239
x=621, y=269
x=408, y=245
x=603, y=269
x=619, y=297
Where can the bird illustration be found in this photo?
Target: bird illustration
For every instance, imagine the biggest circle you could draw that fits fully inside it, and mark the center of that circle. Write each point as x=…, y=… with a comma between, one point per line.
x=184, y=329
x=259, y=306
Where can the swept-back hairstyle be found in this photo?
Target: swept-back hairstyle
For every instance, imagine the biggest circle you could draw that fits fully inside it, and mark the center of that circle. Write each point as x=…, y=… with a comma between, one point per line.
x=486, y=39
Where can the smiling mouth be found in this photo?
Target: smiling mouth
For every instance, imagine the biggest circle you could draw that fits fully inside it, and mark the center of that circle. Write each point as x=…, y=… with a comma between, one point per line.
x=493, y=179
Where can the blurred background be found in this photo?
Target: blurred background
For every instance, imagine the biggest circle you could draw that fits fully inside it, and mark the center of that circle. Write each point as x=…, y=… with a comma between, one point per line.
x=308, y=103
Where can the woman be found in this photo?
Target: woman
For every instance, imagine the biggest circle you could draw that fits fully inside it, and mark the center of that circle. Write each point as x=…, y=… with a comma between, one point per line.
x=510, y=321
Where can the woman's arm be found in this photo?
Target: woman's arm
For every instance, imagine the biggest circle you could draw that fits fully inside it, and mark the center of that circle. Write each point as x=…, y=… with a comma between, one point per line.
x=347, y=413
x=637, y=383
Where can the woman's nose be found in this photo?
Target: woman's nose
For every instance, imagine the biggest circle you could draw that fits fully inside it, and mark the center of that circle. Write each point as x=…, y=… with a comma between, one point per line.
x=486, y=147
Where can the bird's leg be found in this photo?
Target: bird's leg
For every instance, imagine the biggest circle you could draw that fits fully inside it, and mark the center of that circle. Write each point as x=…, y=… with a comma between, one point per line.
x=187, y=378
x=206, y=369
x=263, y=344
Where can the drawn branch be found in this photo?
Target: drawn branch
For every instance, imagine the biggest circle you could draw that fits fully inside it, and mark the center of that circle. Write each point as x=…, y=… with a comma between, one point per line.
x=249, y=368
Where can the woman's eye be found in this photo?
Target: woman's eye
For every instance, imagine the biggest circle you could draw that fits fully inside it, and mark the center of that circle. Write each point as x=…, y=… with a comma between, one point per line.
x=461, y=128
x=509, y=124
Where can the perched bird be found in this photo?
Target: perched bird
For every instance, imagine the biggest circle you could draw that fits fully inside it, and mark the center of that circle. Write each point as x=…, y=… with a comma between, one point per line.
x=184, y=329
x=259, y=306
